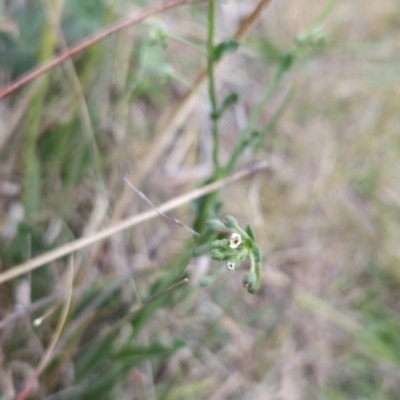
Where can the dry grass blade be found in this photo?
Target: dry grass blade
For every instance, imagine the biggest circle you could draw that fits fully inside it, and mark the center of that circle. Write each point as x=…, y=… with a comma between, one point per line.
x=89, y=42
x=249, y=21
x=61, y=322
x=128, y=223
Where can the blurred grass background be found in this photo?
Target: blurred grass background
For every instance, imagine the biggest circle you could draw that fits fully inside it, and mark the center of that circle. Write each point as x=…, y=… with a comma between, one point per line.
x=325, y=324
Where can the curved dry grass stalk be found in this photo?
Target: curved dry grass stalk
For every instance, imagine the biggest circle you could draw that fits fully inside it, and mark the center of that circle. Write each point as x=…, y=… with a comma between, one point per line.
x=60, y=325
x=127, y=223
x=86, y=43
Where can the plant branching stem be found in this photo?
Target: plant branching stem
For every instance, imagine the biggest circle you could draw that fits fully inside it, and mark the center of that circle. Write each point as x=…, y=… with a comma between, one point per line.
x=244, y=135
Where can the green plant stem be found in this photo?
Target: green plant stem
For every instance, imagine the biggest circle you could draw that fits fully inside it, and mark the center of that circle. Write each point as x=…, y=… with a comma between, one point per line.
x=211, y=85
x=325, y=12
x=31, y=162
x=258, y=274
x=207, y=204
x=256, y=268
x=244, y=139
x=252, y=262
x=275, y=117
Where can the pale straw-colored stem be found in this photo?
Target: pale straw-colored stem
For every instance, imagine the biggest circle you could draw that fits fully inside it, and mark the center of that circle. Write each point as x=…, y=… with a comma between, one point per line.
x=61, y=323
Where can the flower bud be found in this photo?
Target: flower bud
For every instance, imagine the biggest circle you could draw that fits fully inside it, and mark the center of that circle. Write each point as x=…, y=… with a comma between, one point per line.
x=218, y=254
x=220, y=250
x=230, y=222
x=222, y=244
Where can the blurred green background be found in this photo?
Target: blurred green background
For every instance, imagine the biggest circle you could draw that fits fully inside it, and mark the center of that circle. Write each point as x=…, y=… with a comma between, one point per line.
x=315, y=91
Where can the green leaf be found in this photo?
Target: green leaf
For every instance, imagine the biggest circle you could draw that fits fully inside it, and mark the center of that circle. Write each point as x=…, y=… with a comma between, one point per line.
x=138, y=353
x=286, y=62
x=215, y=224
x=257, y=254
x=206, y=280
x=116, y=369
x=229, y=100
x=229, y=46
x=248, y=243
x=92, y=357
x=158, y=35
x=258, y=138
x=201, y=250
x=231, y=222
x=270, y=51
x=250, y=232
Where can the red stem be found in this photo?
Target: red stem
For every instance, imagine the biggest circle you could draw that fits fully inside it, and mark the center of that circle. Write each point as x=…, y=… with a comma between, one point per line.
x=37, y=71
x=25, y=393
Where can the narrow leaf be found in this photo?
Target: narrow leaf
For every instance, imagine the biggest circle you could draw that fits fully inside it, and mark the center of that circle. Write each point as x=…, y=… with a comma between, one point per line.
x=229, y=46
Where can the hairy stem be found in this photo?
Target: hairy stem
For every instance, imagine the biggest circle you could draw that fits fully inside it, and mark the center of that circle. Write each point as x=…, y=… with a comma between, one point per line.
x=211, y=84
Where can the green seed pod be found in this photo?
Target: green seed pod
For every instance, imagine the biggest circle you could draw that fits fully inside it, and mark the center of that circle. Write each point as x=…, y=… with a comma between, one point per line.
x=253, y=290
x=250, y=280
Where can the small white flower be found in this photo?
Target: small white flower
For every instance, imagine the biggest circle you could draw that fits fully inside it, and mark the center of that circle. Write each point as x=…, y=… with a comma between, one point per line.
x=230, y=265
x=235, y=241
